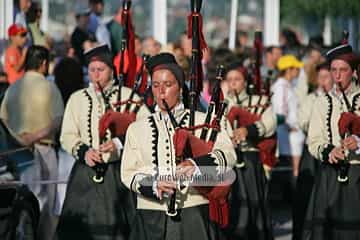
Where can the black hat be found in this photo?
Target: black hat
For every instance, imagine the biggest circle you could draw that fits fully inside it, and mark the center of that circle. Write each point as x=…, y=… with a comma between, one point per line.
x=96, y=1
x=100, y=53
x=338, y=51
x=344, y=52
x=166, y=61
x=238, y=66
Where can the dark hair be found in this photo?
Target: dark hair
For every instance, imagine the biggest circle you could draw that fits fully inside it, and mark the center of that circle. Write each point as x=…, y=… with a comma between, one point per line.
x=316, y=42
x=32, y=13
x=35, y=56
x=291, y=38
x=243, y=34
x=237, y=66
x=269, y=49
x=69, y=77
x=96, y=1
x=17, y=3
x=3, y=74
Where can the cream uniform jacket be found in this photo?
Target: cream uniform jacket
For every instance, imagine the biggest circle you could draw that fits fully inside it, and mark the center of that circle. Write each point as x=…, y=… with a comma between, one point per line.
x=80, y=128
x=266, y=126
x=323, y=130
x=149, y=152
x=306, y=109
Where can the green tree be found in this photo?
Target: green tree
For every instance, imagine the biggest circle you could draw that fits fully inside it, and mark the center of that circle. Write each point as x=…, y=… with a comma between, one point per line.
x=320, y=8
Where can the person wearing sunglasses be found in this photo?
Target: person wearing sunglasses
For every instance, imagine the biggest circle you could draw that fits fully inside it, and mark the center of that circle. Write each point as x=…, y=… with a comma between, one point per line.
x=15, y=53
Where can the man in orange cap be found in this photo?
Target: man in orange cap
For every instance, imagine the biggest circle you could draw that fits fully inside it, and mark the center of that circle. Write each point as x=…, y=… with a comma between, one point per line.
x=15, y=53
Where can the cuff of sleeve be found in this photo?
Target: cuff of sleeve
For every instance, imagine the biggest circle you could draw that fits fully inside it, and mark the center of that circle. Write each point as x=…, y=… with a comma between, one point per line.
x=197, y=171
x=118, y=144
x=253, y=132
x=144, y=185
x=211, y=163
x=147, y=191
x=205, y=160
x=79, y=151
x=326, y=151
x=154, y=188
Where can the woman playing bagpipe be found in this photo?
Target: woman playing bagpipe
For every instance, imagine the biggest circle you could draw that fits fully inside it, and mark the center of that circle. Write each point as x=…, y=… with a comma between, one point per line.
x=160, y=147
x=254, y=126
x=97, y=205
x=308, y=165
x=333, y=138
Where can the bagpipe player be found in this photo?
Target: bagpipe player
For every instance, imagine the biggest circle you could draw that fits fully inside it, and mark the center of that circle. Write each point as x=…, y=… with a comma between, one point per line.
x=151, y=151
x=97, y=205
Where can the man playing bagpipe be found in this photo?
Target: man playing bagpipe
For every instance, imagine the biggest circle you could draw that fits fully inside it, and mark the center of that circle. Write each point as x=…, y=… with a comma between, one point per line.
x=254, y=126
x=333, y=138
x=97, y=205
x=160, y=148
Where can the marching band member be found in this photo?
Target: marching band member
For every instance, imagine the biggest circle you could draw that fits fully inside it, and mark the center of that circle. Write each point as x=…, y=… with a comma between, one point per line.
x=333, y=138
x=253, y=122
x=150, y=154
x=95, y=210
x=308, y=165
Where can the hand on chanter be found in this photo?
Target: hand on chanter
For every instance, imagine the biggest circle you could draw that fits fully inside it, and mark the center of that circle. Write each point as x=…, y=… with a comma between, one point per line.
x=92, y=157
x=350, y=143
x=185, y=169
x=336, y=154
x=165, y=187
x=239, y=135
x=107, y=147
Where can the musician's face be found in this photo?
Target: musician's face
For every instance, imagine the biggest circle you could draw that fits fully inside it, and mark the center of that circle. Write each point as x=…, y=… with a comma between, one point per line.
x=99, y=73
x=165, y=86
x=236, y=81
x=324, y=80
x=341, y=73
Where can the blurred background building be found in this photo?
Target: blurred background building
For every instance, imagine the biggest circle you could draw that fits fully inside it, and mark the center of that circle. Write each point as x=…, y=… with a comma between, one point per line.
x=166, y=19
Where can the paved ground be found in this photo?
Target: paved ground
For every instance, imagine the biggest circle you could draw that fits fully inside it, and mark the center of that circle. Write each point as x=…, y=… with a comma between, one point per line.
x=282, y=222
x=280, y=202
